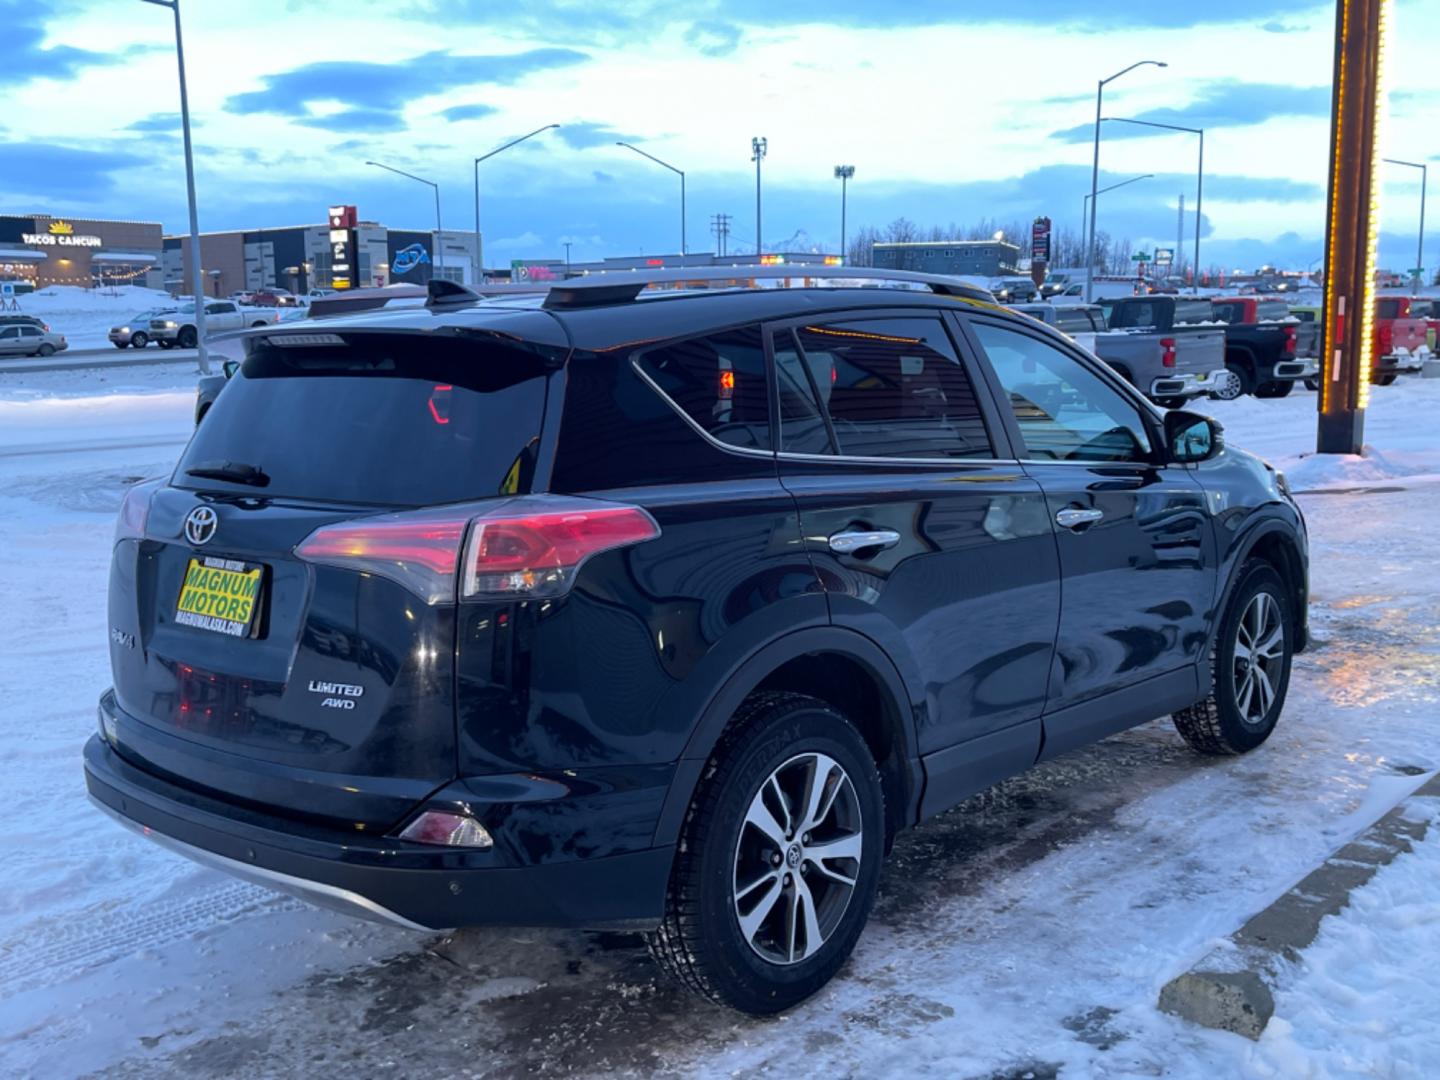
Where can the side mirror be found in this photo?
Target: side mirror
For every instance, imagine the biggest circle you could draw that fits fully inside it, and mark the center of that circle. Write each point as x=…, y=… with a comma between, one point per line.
x=230, y=367
x=1191, y=437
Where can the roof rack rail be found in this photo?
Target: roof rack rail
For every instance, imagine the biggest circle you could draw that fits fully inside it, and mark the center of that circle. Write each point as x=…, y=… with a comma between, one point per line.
x=621, y=286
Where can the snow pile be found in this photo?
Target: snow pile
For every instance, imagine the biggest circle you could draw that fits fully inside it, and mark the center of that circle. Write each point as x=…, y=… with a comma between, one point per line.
x=85, y=316
x=1320, y=471
x=1369, y=965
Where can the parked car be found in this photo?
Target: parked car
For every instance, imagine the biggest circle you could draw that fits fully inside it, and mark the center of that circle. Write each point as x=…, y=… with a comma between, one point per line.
x=1014, y=290
x=178, y=327
x=1074, y=292
x=24, y=320
x=492, y=614
x=135, y=333
x=27, y=339
x=1266, y=347
x=1172, y=347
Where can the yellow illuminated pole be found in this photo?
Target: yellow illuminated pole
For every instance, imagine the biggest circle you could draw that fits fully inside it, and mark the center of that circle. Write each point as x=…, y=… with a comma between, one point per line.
x=1356, y=120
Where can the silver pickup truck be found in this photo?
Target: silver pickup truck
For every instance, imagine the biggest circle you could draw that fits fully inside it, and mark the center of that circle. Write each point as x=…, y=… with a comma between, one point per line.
x=1168, y=368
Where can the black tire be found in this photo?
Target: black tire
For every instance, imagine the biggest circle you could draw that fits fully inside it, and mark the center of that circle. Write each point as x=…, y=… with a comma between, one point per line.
x=187, y=338
x=1385, y=380
x=1277, y=389
x=1246, y=384
x=700, y=941
x=1217, y=724
x=165, y=344
x=1124, y=373
x=118, y=344
x=258, y=322
x=139, y=340
x=1312, y=384
x=45, y=350
x=1172, y=402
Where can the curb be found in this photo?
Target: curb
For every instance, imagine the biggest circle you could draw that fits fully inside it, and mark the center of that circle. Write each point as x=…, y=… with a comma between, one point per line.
x=1231, y=988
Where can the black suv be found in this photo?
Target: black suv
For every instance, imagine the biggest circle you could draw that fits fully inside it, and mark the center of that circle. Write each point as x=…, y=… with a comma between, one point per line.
x=665, y=609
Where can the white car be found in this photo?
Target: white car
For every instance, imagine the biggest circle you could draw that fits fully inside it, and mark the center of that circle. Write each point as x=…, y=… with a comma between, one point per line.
x=135, y=333
x=178, y=327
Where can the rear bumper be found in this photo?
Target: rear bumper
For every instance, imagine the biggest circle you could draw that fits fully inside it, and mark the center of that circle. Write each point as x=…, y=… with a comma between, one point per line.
x=1305, y=368
x=417, y=886
x=1186, y=385
x=1402, y=362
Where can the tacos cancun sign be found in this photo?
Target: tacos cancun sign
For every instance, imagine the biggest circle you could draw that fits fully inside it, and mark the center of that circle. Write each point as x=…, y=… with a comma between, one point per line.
x=61, y=234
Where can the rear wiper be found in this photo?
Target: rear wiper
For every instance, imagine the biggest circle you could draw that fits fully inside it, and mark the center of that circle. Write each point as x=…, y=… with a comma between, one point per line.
x=237, y=472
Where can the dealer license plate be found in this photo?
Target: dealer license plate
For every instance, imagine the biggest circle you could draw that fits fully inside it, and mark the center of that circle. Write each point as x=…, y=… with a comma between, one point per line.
x=221, y=595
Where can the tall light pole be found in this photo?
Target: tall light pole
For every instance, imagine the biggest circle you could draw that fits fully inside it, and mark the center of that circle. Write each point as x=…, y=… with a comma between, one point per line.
x=197, y=289
x=1420, y=246
x=1095, y=172
x=843, y=173
x=684, y=250
x=435, y=261
x=758, y=146
x=479, y=261
x=567, y=244
x=1199, y=178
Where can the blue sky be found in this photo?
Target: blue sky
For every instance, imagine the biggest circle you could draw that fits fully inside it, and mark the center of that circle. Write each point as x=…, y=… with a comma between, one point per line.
x=950, y=110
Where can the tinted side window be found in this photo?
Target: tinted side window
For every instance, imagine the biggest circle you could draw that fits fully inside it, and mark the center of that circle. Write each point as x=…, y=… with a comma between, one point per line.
x=1389, y=309
x=894, y=388
x=719, y=383
x=1065, y=412
x=1189, y=312
x=1230, y=313
x=801, y=392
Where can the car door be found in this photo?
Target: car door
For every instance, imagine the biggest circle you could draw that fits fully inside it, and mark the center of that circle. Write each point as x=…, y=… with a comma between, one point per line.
x=1135, y=536
x=222, y=315
x=9, y=340
x=30, y=339
x=925, y=533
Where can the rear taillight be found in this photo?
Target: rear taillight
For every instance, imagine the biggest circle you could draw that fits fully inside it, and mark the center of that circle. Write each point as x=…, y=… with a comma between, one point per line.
x=522, y=549
x=449, y=829
x=1290, y=340
x=1387, y=337
x=1167, y=357
x=134, y=510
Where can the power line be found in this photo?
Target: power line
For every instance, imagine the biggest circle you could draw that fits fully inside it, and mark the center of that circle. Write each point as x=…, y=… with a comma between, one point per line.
x=720, y=229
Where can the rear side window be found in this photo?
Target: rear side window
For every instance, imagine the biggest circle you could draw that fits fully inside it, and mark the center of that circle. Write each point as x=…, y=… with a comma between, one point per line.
x=894, y=388
x=1076, y=321
x=719, y=383
x=387, y=420
x=1272, y=311
x=1230, y=313
x=1389, y=309
x=1189, y=312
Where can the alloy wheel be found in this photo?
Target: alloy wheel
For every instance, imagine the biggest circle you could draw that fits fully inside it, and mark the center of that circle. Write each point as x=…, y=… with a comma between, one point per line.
x=797, y=858
x=1259, y=657
x=1227, y=387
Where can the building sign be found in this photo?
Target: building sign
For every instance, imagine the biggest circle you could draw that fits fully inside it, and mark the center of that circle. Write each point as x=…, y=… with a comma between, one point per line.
x=519, y=271
x=1164, y=256
x=343, y=246
x=60, y=234
x=1040, y=240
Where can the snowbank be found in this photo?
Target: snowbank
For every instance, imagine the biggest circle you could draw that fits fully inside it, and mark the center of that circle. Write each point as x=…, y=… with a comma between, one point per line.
x=85, y=316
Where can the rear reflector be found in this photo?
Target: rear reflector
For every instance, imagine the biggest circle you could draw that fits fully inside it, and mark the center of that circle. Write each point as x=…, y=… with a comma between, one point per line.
x=451, y=830
x=520, y=549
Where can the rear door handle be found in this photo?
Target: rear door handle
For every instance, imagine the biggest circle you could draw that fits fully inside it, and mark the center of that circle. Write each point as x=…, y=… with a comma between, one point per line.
x=846, y=543
x=1072, y=518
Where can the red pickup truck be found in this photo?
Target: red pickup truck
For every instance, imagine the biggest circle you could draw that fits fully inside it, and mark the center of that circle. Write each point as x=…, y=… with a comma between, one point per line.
x=1401, y=342
x=1411, y=307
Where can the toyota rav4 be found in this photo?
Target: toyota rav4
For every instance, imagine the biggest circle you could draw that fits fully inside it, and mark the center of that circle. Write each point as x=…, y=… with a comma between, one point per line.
x=641, y=605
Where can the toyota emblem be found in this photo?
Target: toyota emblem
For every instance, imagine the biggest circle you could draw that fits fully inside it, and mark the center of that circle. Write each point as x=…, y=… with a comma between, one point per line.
x=200, y=525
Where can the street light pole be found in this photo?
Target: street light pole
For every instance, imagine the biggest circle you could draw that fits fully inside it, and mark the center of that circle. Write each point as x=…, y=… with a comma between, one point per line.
x=1085, y=202
x=684, y=249
x=197, y=289
x=843, y=173
x=758, y=147
x=435, y=260
x=479, y=260
x=1420, y=246
x=1199, y=179
x=1095, y=172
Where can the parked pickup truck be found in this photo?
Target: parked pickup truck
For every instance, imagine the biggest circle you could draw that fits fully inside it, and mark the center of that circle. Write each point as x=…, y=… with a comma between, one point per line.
x=1171, y=347
x=1165, y=369
x=1403, y=336
x=1266, y=347
x=178, y=327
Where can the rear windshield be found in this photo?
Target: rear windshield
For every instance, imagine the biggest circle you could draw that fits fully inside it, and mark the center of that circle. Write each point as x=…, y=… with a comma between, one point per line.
x=1272, y=311
x=1193, y=311
x=1077, y=320
x=387, y=420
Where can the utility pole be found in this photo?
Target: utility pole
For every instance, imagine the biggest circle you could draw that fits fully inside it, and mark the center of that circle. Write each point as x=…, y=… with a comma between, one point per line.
x=1357, y=98
x=758, y=147
x=843, y=173
x=720, y=227
x=567, y=257
x=197, y=284
x=1180, y=235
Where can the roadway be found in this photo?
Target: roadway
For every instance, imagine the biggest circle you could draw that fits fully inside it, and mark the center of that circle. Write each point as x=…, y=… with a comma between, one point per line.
x=108, y=357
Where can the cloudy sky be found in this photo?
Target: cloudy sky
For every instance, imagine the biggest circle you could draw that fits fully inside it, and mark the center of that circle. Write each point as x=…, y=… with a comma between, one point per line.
x=950, y=110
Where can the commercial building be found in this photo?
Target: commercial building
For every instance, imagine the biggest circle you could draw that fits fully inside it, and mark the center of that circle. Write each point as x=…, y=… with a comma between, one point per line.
x=42, y=250
x=302, y=257
x=977, y=258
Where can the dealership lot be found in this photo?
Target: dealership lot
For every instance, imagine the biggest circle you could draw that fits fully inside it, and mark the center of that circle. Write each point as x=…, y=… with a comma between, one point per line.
x=1119, y=864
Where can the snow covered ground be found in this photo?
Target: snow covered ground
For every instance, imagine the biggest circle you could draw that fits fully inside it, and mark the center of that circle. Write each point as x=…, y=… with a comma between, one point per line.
x=1026, y=933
